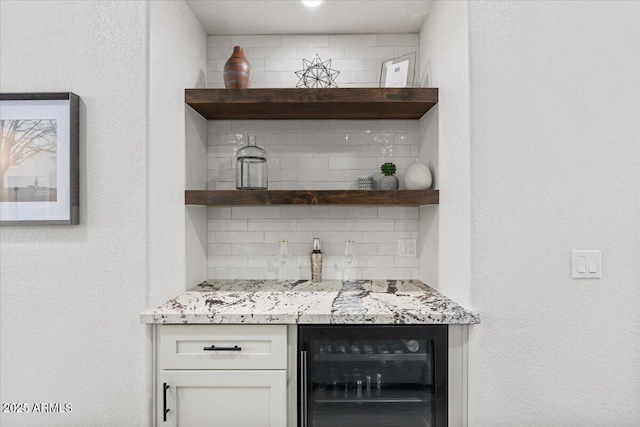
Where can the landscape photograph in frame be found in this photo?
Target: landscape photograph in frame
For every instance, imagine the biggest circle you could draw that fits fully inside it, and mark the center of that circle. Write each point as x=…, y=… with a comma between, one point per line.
x=39, y=139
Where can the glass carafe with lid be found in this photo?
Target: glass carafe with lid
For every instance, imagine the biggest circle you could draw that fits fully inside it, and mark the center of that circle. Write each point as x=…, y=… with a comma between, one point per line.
x=251, y=167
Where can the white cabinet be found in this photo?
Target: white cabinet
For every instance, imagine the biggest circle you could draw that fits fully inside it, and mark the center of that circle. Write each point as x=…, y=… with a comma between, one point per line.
x=225, y=398
x=222, y=375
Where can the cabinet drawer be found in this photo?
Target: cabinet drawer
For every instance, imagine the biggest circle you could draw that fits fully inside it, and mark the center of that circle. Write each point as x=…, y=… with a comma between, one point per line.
x=261, y=346
x=223, y=398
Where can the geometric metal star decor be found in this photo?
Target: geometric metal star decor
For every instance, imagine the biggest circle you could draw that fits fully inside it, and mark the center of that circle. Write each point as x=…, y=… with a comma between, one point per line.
x=317, y=73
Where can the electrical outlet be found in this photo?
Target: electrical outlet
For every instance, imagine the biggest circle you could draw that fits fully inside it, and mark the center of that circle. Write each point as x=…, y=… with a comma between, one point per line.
x=407, y=248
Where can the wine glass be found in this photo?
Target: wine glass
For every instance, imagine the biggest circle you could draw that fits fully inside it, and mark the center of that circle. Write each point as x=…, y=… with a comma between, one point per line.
x=282, y=256
x=348, y=256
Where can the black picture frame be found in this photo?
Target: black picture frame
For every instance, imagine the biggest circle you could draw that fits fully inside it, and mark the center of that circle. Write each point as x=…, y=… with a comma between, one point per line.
x=65, y=209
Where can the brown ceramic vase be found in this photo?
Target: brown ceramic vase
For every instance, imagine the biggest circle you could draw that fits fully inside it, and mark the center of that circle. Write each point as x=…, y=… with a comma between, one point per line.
x=237, y=71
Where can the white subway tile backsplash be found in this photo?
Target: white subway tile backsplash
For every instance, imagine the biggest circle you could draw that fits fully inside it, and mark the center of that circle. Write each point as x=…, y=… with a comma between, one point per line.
x=399, y=212
x=227, y=261
x=272, y=225
x=353, y=163
x=302, y=126
x=304, y=163
x=256, y=41
x=239, y=236
x=218, y=126
x=320, y=139
x=219, y=249
x=391, y=126
x=238, y=273
x=321, y=224
x=313, y=155
x=321, y=175
x=369, y=52
x=305, y=211
x=268, y=53
x=385, y=273
x=223, y=185
x=339, y=236
x=353, y=126
x=255, y=212
x=265, y=249
x=283, y=151
x=355, y=212
x=219, y=163
x=359, y=77
x=360, y=64
x=227, y=225
x=407, y=262
x=407, y=225
x=385, y=236
x=281, y=175
x=290, y=65
x=336, y=151
x=388, y=249
x=218, y=213
x=353, y=40
x=404, y=50
x=291, y=236
x=234, y=139
x=313, y=40
x=399, y=40
x=370, y=225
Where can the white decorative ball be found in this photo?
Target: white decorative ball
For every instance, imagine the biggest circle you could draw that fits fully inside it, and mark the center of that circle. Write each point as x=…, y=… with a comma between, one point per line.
x=417, y=177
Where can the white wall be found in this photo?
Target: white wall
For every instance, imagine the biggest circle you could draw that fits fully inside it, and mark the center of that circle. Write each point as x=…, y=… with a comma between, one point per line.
x=177, y=61
x=71, y=295
x=445, y=229
x=311, y=154
x=555, y=158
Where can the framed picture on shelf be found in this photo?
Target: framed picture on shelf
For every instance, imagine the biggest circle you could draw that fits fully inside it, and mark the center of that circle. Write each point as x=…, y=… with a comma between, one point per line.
x=399, y=72
x=39, y=161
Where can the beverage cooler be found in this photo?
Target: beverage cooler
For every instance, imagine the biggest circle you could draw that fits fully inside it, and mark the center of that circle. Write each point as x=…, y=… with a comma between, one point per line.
x=362, y=375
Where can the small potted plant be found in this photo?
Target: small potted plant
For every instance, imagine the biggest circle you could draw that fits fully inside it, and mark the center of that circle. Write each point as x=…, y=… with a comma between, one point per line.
x=389, y=180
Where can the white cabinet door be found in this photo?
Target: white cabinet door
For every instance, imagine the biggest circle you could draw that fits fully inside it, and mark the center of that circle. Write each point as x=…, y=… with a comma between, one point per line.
x=223, y=398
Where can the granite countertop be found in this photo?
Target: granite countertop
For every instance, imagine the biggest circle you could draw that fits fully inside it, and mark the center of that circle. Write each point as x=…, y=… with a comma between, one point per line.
x=329, y=302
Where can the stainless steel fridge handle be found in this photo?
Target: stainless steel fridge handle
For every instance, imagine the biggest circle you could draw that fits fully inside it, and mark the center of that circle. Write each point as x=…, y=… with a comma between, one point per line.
x=303, y=386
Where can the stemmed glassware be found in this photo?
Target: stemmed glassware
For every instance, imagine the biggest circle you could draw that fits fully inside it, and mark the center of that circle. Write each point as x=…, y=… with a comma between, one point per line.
x=348, y=256
x=282, y=256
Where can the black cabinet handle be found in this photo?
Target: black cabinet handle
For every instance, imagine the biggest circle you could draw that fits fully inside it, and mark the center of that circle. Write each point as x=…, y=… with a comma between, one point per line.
x=164, y=402
x=214, y=348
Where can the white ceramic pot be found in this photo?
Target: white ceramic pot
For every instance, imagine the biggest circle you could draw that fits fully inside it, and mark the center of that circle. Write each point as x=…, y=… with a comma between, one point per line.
x=389, y=183
x=418, y=177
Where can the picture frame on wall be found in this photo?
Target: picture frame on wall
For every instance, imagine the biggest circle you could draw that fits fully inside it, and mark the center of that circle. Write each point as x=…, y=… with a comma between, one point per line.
x=399, y=72
x=39, y=158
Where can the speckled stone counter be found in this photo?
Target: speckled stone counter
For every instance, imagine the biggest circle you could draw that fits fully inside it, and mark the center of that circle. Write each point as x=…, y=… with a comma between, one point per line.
x=329, y=302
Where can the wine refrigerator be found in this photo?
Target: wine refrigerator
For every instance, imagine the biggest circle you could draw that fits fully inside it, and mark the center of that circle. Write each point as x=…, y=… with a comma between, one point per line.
x=369, y=375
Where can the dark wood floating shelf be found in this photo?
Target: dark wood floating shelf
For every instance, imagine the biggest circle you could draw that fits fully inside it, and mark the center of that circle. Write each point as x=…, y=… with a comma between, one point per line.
x=311, y=197
x=303, y=103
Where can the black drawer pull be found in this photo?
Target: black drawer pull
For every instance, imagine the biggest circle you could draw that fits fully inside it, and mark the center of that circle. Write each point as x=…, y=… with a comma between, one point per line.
x=214, y=348
x=165, y=410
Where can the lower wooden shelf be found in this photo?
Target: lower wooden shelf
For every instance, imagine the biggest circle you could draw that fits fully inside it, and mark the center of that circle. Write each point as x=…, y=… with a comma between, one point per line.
x=311, y=197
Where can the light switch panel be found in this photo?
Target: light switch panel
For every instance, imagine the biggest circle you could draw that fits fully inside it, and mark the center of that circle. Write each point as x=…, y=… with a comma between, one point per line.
x=586, y=265
x=407, y=248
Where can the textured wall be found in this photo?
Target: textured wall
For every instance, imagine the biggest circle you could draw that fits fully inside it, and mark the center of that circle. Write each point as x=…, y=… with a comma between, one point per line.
x=71, y=295
x=311, y=154
x=555, y=167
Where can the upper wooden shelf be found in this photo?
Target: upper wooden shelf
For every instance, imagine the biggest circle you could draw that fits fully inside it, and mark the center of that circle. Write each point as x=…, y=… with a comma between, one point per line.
x=303, y=103
x=311, y=197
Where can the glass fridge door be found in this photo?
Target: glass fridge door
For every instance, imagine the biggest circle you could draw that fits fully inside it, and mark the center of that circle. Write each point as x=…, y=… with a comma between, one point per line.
x=392, y=376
